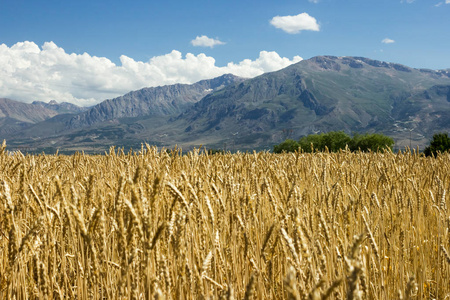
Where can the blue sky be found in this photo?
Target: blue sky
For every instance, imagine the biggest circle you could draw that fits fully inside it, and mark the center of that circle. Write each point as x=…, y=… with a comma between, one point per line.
x=72, y=43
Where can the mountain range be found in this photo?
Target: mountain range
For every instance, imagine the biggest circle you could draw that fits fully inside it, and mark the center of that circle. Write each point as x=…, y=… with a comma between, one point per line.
x=155, y=101
x=321, y=94
x=15, y=115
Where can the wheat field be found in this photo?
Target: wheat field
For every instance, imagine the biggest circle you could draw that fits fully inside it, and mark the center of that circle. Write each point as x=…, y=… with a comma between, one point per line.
x=154, y=224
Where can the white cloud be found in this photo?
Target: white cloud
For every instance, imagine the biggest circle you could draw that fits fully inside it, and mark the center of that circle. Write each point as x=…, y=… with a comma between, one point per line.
x=387, y=41
x=295, y=24
x=314, y=1
x=31, y=73
x=440, y=3
x=204, y=41
x=266, y=62
x=409, y=1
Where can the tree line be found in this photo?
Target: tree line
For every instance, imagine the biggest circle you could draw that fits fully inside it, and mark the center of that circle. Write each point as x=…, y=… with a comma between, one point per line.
x=338, y=140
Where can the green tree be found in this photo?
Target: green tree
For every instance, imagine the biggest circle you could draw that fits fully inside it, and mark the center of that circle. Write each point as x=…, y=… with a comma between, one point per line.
x=312, y=142
x=370, y=141
x=286, y=146
x=439, y=143
x=335, y=141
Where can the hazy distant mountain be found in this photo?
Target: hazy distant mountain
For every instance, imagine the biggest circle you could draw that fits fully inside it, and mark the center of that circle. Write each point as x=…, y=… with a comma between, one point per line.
x=320, y=94
x=15, y=115
x=61, y=108
x=154, y=101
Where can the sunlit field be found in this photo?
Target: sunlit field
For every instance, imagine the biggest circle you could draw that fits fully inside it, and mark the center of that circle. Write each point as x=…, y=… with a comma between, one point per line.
x=165, y=225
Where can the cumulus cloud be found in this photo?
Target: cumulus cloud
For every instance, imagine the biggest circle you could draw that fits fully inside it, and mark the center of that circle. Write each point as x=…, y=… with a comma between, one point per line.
x=295, y=24
x=204, y=41
x=31, y=73
x=387, y=41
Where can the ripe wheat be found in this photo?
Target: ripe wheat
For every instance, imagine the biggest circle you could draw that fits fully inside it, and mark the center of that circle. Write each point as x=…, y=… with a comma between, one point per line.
x=158, y=224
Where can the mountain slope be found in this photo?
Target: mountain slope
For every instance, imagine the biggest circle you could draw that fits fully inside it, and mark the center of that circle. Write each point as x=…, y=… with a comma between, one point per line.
x=60, y=108
x=155, y=101
x=428, y=110
x=108, y=122
x=15, y=115
x=321, y=94
x=23, y=111
x=316, y=95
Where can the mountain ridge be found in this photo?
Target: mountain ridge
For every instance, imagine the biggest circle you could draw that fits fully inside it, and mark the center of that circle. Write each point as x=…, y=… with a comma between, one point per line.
x=321, y=94
x=157, y=101
x=316, y=95
x=16, y=115
x=60, y=108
